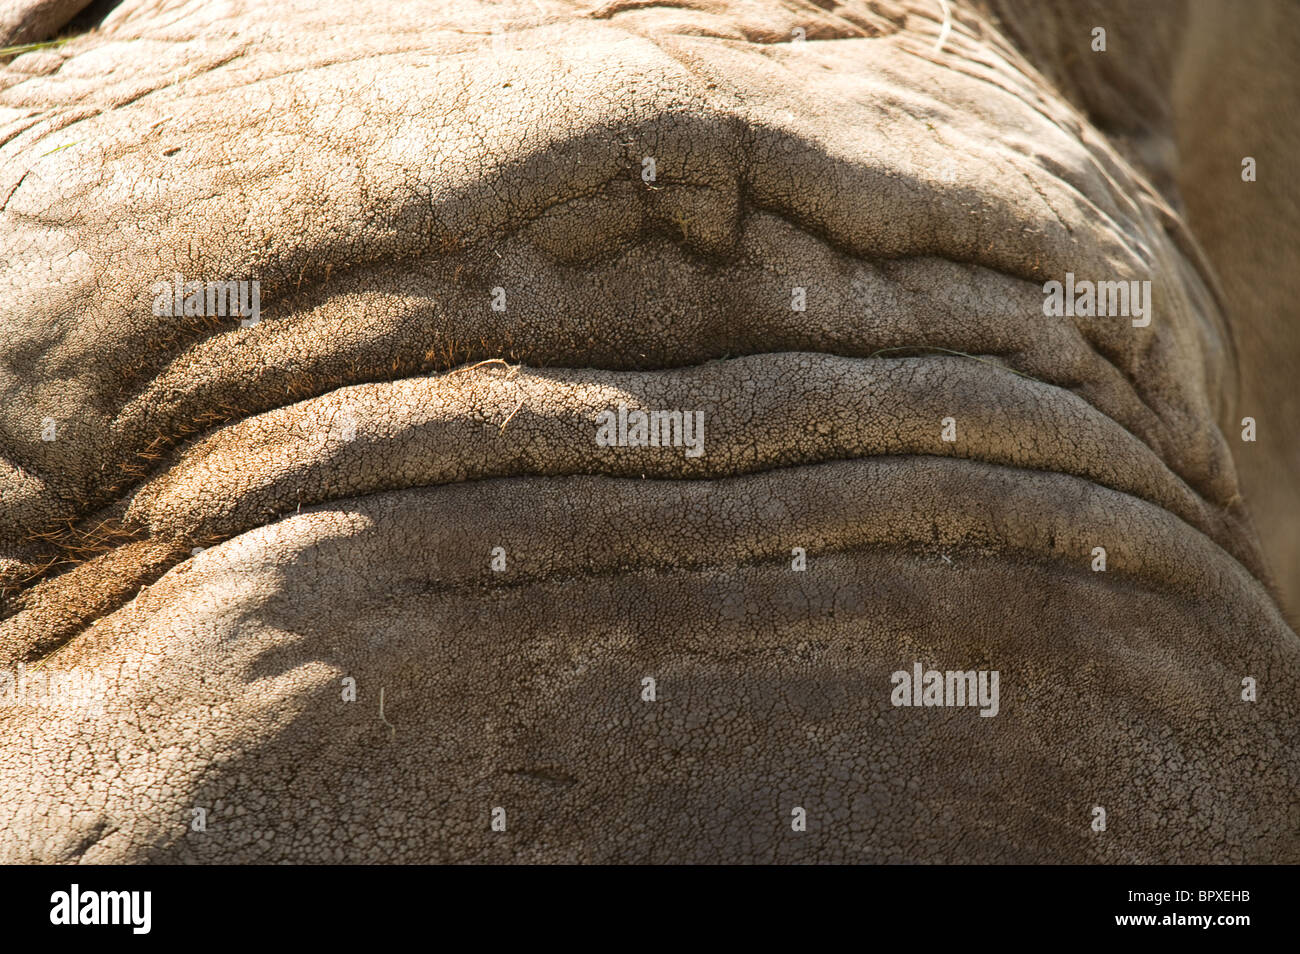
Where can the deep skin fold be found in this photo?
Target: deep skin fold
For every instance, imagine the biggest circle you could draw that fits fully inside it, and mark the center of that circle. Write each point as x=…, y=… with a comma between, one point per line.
x=618, y=283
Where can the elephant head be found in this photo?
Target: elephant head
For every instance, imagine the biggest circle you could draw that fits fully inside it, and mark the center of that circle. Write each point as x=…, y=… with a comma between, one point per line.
x=639, y=431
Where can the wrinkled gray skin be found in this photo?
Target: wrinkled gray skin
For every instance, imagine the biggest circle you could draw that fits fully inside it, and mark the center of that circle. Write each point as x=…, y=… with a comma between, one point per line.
x=380, y=168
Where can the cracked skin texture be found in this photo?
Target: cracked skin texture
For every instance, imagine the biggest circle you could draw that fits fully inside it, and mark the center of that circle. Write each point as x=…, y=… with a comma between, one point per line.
x=351, y=462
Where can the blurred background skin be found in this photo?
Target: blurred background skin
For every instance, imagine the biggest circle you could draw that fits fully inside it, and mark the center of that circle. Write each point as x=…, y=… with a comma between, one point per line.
x=1187, y=90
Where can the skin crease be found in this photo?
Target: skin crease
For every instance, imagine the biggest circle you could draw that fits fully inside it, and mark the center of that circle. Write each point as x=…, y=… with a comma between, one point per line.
x=351, y=464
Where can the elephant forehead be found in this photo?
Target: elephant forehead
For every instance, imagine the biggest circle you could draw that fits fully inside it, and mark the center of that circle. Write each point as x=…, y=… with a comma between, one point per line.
x=487, y=135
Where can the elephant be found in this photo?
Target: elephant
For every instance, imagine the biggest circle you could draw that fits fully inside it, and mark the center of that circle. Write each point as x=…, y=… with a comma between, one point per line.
x=629, y=431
